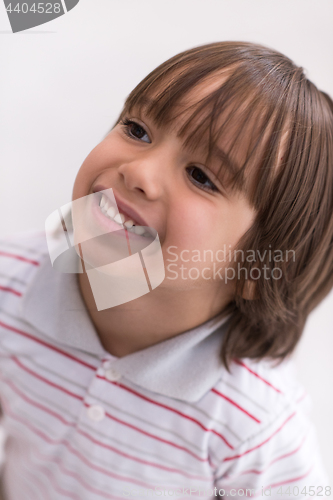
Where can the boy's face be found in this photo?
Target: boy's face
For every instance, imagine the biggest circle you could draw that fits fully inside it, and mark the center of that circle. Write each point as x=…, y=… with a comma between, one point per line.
x=174, y=191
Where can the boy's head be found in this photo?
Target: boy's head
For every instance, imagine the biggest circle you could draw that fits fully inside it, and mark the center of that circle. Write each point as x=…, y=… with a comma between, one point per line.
x=228, y=146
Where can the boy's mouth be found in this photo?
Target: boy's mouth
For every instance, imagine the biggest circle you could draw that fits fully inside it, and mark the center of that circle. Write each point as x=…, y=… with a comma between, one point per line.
x=120, y=217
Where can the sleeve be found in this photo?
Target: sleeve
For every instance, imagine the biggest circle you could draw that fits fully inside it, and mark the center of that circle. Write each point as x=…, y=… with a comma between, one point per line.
x=281, y=462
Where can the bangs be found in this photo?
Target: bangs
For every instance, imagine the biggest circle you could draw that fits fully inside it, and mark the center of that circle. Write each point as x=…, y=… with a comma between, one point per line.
x=241, y=120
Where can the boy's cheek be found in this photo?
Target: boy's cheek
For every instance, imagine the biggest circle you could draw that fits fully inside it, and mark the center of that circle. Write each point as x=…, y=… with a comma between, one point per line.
x=81, y=184
x=95, y=163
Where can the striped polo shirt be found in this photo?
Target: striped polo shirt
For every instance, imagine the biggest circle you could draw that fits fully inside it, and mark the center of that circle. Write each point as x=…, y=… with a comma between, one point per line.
x=168, y=420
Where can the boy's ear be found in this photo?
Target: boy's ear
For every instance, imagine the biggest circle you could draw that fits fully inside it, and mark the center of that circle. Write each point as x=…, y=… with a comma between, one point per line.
x=249, y=290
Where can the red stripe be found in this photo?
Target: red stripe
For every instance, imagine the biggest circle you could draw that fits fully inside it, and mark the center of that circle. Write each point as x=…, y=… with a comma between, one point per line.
x=35, y=404
x=290, y=480
x=236, y=405
x=104, y=471
x=256, y=375
x=43, y=379
x=126, y=424
x=139, y=460
x=11, y=290
x=264, y=442
x=302, y=397
x=149, y=400
x=45, y=344
x=286, y=455
x=19, y=257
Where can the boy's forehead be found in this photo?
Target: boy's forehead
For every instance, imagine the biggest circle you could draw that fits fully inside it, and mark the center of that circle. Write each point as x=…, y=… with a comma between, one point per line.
x=182, y=108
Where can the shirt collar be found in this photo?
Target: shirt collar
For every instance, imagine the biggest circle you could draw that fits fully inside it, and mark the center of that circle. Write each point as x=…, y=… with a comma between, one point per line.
x=184, y=367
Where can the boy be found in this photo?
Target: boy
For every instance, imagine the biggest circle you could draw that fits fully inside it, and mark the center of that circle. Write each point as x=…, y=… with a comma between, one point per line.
x=225, y=146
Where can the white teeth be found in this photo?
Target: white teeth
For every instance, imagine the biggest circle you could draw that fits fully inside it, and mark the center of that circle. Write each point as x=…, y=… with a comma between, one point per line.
x=119, y=218
x=111, y=212
x=139, y=230
x=129, y=223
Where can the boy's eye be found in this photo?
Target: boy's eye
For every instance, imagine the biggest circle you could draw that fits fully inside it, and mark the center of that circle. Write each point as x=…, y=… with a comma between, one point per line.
x=198, y=177
x=134, y=130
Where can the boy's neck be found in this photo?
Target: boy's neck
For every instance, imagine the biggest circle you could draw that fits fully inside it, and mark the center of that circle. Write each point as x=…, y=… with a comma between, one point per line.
x=150, y=319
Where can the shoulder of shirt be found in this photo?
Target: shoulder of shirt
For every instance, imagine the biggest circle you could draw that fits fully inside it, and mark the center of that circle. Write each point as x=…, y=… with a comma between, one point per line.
x=256, y=395
x=21, y=255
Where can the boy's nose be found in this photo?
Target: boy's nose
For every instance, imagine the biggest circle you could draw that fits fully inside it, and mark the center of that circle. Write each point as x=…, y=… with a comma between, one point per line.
x=144, y=175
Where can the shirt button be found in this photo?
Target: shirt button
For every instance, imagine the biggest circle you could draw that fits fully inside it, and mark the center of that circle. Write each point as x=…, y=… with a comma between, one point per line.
x=96, y=413
x=112, y=374
x=107, y=364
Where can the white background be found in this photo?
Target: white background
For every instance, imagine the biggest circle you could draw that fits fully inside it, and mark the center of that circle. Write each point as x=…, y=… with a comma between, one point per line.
x=64, y=83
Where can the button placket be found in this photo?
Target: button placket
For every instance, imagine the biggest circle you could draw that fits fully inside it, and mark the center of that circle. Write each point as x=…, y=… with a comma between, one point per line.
x=94, y=411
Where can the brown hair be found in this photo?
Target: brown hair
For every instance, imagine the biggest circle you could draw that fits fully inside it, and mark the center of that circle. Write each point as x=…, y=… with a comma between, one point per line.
x=266, y=98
